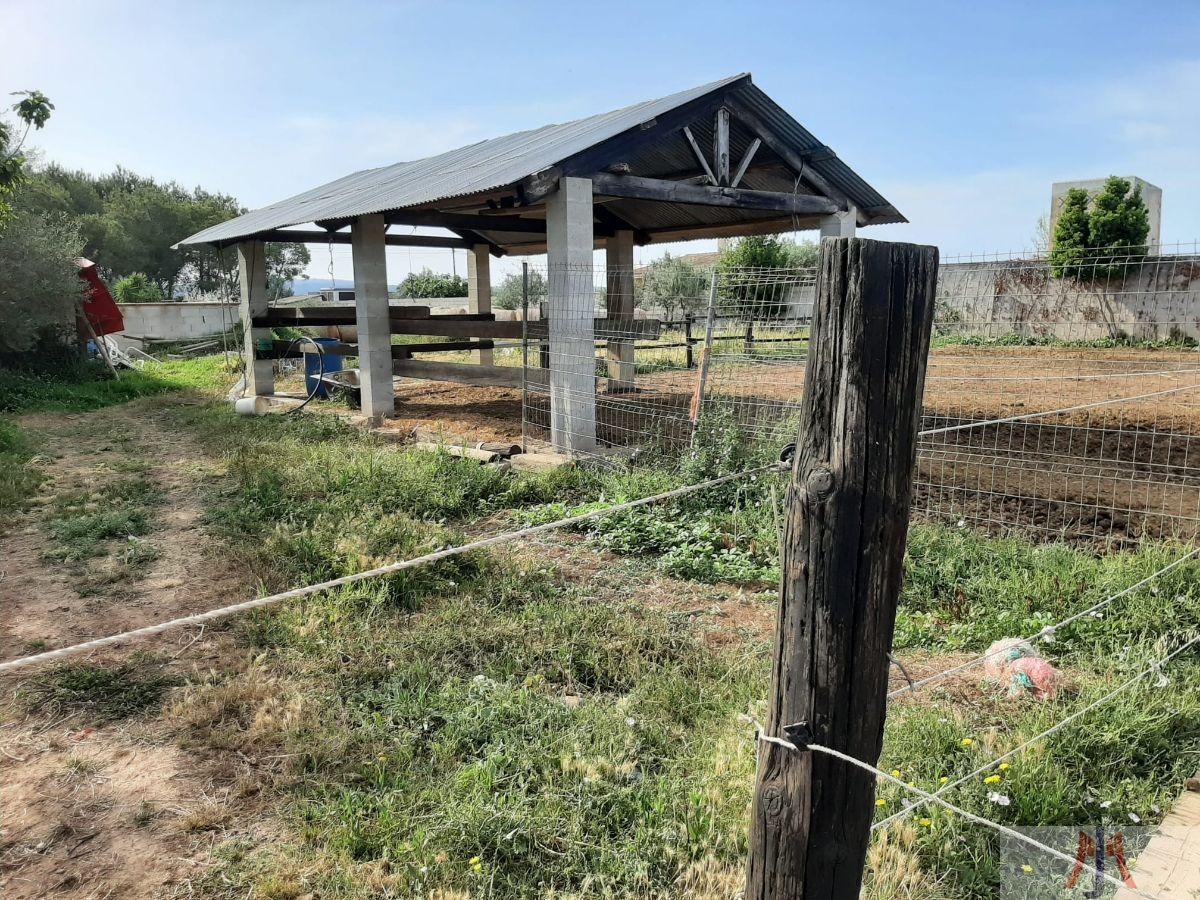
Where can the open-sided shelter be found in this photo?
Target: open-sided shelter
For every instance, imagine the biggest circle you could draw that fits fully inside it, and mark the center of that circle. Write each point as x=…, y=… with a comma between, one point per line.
x=718, y=160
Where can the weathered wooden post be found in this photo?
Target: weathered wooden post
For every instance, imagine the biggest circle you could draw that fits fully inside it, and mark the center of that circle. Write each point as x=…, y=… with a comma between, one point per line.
x=843, y=557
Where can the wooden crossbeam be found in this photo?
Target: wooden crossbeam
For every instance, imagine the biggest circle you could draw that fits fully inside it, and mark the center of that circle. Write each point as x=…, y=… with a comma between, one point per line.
x=299, y=236
x=433, y=218
x=638, y=188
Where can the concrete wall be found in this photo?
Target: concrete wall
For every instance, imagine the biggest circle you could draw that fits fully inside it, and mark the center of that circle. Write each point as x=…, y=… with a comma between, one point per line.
x=176, y=321
x=1156, y=300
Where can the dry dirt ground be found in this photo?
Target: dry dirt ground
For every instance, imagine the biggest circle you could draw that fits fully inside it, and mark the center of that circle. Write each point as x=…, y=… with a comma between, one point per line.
x=109, y=810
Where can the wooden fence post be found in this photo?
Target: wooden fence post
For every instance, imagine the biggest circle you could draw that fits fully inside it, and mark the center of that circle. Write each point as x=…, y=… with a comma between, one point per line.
x=843, y=559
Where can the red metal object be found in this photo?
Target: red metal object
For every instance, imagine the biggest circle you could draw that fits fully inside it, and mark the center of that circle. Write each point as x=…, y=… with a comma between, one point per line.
x=99, y=307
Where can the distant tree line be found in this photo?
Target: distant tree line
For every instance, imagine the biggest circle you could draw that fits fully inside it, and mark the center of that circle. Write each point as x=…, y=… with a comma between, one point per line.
x=129, y=222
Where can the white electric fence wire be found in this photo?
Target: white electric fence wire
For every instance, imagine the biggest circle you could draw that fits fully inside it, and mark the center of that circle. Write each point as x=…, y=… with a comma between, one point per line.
x=1055, y=412
x=1047, y=632
x=1154, y=667
x=978, y=820
x=13, y=665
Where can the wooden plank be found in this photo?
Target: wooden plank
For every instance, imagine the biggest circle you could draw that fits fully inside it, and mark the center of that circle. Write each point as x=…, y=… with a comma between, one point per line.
x=745, y=163
x=438, y=219
x=638, y=188
x=460, y=373
x=332, y=314
x=691, y=139
x=299, y=236
x=608, y=329
x=457, y=327
x=721, y=145
x=843, y=561
x=1169, y=866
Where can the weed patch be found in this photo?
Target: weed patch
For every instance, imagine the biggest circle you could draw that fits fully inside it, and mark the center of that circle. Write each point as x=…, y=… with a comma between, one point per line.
x=100, y=693
x=82, y=522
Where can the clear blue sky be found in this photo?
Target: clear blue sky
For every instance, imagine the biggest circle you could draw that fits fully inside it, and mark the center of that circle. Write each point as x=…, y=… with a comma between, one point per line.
x=961, y=114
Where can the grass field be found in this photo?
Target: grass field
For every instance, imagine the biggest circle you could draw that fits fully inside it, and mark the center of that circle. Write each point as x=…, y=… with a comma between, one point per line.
x=508, y=725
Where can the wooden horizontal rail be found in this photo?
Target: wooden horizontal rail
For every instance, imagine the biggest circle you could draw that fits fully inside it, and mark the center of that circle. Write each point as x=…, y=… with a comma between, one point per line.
x=294, y=349
x=460, y=373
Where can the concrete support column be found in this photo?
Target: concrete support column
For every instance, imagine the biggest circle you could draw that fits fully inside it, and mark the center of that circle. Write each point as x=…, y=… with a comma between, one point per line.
x=571, y=310
x=839, y=224
x=371, y=313
x=618, y=255
x=252, y=278
x=479, y=289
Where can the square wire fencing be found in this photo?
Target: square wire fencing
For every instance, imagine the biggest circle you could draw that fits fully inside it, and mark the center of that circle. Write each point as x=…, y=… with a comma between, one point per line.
x=1062, y=398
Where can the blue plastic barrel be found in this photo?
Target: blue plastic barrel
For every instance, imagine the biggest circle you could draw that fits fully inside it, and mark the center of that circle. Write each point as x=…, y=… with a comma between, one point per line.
x=312, y=366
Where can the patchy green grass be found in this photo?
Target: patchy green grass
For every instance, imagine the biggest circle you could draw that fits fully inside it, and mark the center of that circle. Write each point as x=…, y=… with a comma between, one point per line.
x=84, y=521
x=97, y=693
x=92, y=387
x=19, y=476
x=482, y=729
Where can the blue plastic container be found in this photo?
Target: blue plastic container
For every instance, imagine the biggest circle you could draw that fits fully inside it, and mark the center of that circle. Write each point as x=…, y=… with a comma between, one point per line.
x=312, y=366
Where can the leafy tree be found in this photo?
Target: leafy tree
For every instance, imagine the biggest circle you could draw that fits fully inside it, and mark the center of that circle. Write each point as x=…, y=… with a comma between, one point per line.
x=1119, y=224
x=34, y=110
x=39, y=282
x=674, y=284
x=1072, y=234
x=137, y=288
x=741, y=269
x=1104, y=238
x=129, y=222
x=511, y=291
x=427, y=283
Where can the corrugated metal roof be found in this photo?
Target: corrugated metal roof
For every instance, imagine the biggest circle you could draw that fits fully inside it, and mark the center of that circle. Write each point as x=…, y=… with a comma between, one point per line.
x=499, y=162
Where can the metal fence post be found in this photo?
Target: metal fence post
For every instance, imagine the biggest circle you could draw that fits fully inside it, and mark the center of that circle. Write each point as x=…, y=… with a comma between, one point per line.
x=524, y=356
x=705, y=353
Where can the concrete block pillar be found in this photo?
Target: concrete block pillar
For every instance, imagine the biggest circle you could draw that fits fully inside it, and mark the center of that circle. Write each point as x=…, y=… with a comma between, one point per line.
x=252, y=278
x=367, y=248
x=571, y=311
x=618, y=254
x=479, y=289
x=839, y=224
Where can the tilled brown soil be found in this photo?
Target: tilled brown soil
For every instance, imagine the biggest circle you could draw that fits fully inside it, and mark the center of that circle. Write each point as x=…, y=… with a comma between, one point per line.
x=1115, y=472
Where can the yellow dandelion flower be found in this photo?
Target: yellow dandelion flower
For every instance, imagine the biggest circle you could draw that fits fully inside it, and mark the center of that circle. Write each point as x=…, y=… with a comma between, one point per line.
x=925, y=823
x=473, y=861
x=912, y=784
x=945, y=779
x=966, y=742
x=1004, y=767
x=1026, y=869
x=895, y=773
x=992, y=779
x=881, y=802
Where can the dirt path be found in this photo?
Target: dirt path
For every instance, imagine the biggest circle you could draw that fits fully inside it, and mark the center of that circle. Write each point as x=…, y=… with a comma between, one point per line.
x=92, y=810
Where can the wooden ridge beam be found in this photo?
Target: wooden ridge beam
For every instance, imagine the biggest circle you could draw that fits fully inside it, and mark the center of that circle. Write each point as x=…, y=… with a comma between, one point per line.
x=638, y=188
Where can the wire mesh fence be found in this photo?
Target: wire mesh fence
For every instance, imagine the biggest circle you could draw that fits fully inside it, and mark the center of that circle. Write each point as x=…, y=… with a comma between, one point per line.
x=1062, y=396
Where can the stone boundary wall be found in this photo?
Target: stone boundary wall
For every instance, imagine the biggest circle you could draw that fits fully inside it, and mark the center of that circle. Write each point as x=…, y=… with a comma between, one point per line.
x=1156, y=300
